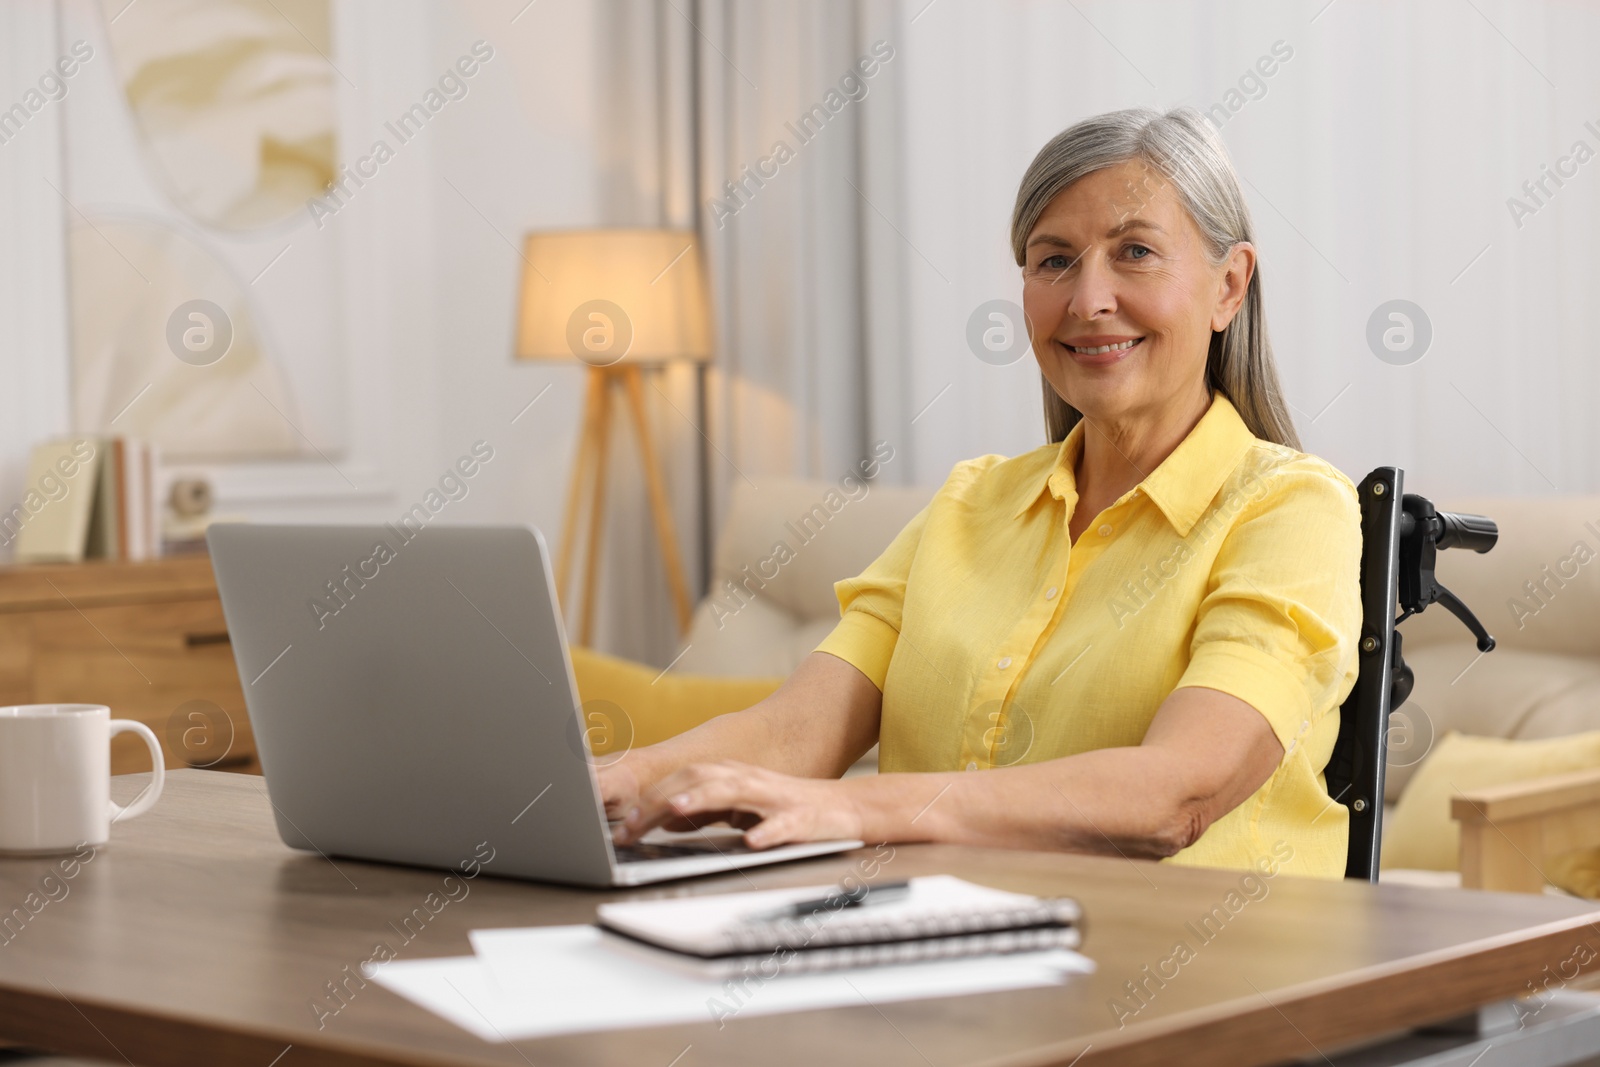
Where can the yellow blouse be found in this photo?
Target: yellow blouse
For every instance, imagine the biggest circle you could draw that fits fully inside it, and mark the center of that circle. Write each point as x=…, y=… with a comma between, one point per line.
x=1234, y=565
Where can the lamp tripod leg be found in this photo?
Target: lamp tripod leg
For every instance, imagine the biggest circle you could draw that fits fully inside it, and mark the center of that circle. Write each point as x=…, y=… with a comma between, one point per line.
x=666, y=533
x=582, y=461
x=597, y=511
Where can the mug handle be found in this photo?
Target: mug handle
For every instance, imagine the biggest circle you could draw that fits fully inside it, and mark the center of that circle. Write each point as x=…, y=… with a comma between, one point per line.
x=152, y=792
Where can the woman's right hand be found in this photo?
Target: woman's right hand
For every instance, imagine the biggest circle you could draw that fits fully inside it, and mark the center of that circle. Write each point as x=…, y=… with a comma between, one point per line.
x=814, y=726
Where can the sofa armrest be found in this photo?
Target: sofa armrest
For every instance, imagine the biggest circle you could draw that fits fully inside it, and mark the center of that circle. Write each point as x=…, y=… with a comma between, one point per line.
x=1508, y=830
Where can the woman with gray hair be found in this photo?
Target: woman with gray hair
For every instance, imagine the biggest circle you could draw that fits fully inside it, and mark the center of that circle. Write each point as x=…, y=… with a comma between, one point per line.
x=1140, y=632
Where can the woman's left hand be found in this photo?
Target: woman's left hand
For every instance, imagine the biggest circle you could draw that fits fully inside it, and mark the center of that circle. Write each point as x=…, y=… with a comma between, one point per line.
x=772, y=808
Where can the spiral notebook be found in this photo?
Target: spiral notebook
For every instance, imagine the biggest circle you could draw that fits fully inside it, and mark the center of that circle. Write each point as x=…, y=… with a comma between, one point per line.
x=942, y=917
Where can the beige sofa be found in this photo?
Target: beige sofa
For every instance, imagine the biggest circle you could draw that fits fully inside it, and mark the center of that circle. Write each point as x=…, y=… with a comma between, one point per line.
x=1543, y=679
x=763, y=616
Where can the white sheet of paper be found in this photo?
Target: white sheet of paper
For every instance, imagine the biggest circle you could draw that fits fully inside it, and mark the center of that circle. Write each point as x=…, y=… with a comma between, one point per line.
x=459, y=989
x=546, y=980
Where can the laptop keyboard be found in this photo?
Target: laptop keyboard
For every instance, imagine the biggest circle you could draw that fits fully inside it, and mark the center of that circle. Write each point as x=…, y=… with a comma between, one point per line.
x=644, y=852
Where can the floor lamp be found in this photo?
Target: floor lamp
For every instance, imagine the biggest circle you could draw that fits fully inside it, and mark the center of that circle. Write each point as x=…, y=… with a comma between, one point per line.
x=619, y=301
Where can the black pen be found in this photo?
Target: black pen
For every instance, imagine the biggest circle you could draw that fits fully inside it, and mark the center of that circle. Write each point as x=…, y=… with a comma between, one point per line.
x=859, y=897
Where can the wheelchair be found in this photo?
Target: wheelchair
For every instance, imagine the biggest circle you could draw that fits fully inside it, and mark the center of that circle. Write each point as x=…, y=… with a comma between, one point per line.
x=1401, y=535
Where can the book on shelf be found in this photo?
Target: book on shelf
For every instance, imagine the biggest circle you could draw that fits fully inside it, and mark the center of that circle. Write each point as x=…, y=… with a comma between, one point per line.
x=87, y=497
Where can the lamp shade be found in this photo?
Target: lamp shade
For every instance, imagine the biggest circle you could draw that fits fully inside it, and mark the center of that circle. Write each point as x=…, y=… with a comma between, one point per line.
x=613, y=295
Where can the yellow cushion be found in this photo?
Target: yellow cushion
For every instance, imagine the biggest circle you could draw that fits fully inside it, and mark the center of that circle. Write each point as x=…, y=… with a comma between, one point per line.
x=1577, y=872
x=627, y=704
x=1422, y=835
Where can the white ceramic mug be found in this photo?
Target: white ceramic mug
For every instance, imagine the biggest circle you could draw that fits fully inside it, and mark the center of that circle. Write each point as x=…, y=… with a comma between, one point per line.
x=55, y=777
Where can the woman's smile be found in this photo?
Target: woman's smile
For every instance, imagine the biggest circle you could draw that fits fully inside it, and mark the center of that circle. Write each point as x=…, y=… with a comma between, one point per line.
x=1101, y=350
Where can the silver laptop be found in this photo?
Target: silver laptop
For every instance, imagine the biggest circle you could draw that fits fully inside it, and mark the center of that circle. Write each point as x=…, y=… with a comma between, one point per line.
x=413, y=701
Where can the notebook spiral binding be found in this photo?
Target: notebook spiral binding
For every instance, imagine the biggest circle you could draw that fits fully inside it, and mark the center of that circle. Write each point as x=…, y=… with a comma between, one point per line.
x=1043, y=921
x=888, y=953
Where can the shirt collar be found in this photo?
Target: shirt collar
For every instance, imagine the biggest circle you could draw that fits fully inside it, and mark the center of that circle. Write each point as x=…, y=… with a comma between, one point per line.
x=1185, y=483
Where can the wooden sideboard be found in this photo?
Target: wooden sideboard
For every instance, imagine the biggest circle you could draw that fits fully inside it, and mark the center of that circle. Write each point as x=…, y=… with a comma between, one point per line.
x=147, y=639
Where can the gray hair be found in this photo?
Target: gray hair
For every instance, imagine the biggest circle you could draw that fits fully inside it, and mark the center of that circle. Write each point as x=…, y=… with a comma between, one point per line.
x=1188, y=153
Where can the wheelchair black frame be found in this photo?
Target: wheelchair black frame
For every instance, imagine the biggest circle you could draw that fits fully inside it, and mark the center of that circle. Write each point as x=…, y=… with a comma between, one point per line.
x=1355, y=771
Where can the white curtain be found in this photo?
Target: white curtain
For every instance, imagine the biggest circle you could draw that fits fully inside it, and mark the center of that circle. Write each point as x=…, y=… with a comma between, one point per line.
x=1378, y=161
x=804, y=260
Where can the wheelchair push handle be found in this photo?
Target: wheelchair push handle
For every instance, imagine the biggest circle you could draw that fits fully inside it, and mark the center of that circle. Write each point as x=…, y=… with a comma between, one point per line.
x=1424, y=530
x=1448, y=529
x=1476, y=532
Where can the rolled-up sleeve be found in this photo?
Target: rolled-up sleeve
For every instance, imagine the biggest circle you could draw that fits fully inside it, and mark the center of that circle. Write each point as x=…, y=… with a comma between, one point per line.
x=1281, y=617
x=871, y=606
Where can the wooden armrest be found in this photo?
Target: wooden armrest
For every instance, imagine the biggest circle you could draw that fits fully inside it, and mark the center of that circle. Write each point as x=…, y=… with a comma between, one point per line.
x=1533, y=797
x=1508, y=830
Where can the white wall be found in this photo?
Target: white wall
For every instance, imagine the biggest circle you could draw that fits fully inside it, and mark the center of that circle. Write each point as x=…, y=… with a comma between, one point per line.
x=525, y=156
x=432, y=252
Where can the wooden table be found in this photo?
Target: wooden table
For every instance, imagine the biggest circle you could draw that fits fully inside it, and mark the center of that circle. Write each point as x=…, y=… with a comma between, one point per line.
x=197, y=938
